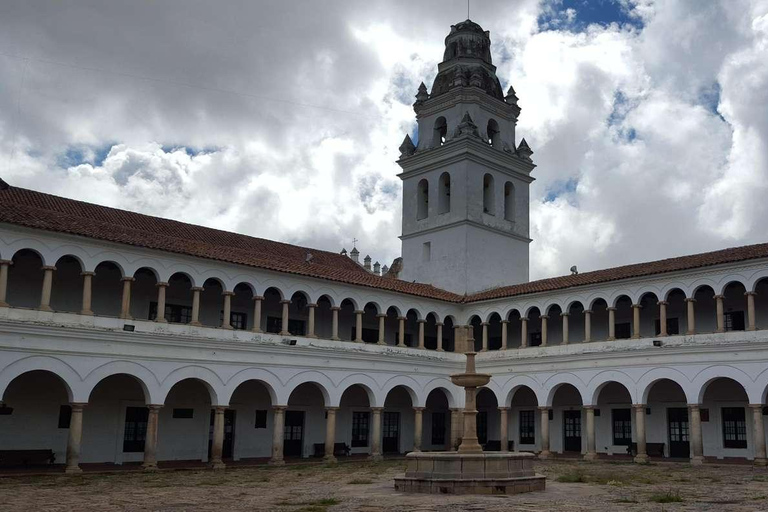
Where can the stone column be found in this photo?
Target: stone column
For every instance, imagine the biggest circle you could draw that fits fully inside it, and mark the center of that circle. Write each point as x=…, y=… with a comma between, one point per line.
x=564, y=316
x=217, y=446
x=587, y=325
x=523, y=332
x=311, y=321
x=161, y=288
x=636, y=321
x=455, y=428
x=504, y=428
x=663, y=318
x=150, y=441
x=504, y=334
x=4, y=264
x=125, y=306
x=469, y=442
x=697, y=444
x=611, y=324
x=257, y=301
x=440, y=337
x=196, y=305
x=330, y=433
x=720, y=313
x=544, y=330
x=591, y=450
x=87, y=293
x=485, y=337
x=691, y=316
x=750, y=310
x=545, y=453
x=45, y=295
x=382, y=338
x=358, y=326
x=401, y=333
x=421, y=333
x=278, y=434
x=226, y=321
x=758, y=434
x=642, y=454
x=417, y=423
x=376, y=434
x=284, y=322
x=335, y=323
x=73, y=442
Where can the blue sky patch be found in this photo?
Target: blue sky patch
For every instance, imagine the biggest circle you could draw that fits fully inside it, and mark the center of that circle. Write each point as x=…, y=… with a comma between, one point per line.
x=577, y=15
x=190, y=150
x=710, y=98
x=78, y=155
x=560, y=188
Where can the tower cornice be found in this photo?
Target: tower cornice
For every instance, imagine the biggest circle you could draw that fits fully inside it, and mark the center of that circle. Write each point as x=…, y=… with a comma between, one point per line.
x=467, y=95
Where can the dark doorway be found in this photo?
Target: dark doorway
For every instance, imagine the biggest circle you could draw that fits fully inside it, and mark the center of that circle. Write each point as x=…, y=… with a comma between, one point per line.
x=229, y=434
x=293, y=439
x=677, y=419
x=391, y=432
x=572, y=431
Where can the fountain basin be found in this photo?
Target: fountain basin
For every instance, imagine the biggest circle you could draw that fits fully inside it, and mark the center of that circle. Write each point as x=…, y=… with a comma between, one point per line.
x=470, y=380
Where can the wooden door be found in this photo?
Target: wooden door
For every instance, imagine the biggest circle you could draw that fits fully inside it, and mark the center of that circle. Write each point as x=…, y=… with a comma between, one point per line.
x=572, y=431
x=391, y=432
x=293, y=440
x=677, y=425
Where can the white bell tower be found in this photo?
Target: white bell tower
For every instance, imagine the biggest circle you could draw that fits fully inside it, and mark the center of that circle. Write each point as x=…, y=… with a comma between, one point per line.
x=465, y=184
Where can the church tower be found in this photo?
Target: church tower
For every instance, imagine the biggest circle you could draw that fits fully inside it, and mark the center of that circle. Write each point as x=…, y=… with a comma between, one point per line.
x=465, y=183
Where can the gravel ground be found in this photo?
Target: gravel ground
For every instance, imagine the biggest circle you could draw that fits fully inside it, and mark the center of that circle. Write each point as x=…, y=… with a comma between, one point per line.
x=365, y=487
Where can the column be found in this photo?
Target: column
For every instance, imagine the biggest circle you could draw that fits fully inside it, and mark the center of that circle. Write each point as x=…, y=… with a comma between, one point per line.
x=696, y=439
x=485, y=337
x=335, y=323
x=591, y=451
x=73, y=442
x=611, y=324
x=544, y=330
x=587, y=325
x=720, y=313
x=125, y=307
x=636, y=321
x=750, y=308
x=376, y=434
x=544, y=425
x=150, y=440
x=330, y=433
x=311, y=320
x=278, y=434
x=642, y=454
x=758, y=434
x=691, y=316
x=504, y=334
x=4, y=264
x=440, y=337
x=663, y=317
x=382, y=337
x=257, y=300
x=417, y=423
x=359, y=326
x=226, y=321
x=217, y=447
x=455, y=428
x=523, y=332
x=196, y=305
x=284, y=321
x=421, y=333
x=401, y=332
x=161, y=288
x=504, y=428
x=87, y=293
x=45, y=296
x=564, y=316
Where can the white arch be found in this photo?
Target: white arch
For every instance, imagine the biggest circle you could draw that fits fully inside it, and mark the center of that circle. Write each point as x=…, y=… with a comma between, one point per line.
x=519, y=381
x=706, y=376
x=62, y=370
x=599, y=381
x=449, y=389
x=646, y=382
x=364, y=381
x=212, y=382
x=409, y=383
x=270, y=381
x=323, y=383
x=552, y=384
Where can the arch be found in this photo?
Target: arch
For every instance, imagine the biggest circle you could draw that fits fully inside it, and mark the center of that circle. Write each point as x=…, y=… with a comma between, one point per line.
x=602, y=379
x=596, y=300
x=439, y=132
x=409, y=384
x=146, y=379
x=62, y=370
x=274, y=290
x=270, y=381
x=494, y=133
x=328, y=298
x=646, y=382
x=422, y=199
x=207, y=377
x=363, y=381
x=75, y=257
x=705, y=377
x=444, y=193
x=509, y=201
x=239, y=283
x=532, y=309
x=556, y=381
x=323, y=383
x=517, y=383
x=448, y=389
x=489, y=195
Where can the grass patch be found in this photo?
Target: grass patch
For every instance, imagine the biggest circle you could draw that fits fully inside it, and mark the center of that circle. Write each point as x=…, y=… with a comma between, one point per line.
x=311, y=506
x=574, y=477
x=625, y=500
x=360, y=481
x=666, y=497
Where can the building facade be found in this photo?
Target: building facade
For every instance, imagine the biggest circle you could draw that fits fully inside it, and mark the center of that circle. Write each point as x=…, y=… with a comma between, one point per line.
x=131, y=339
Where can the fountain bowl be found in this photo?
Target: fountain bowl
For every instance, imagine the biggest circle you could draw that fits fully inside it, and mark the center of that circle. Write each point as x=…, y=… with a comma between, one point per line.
x=470, y=380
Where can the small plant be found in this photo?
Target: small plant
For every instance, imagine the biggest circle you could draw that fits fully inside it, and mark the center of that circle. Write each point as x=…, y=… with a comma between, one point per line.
x=666, y=497
x=625, y=500
x=360, y=481
x=573, y=477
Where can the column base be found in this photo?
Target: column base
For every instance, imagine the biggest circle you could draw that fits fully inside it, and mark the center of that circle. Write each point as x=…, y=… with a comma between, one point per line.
x=161, y=321
x=85, y=312
x=381, y=343
x=257, y=331
x=545, y=454
x=376, y=458
x=311, y=336
x=590, y=456
x=611, y=338
x=45, y=308
x=127, y=317
x=358, y=341
x=330, y=459
x=335, y=338
x=73, y=470
x=149, y=468
x=641, y=458
x=284, y=333
x=276, y=462
x=761, y=462
x=195, y=324
x=402, y=346
x=697, y=460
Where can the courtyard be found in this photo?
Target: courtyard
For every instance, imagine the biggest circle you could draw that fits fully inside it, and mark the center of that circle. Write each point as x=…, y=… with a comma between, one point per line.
x=367, y=487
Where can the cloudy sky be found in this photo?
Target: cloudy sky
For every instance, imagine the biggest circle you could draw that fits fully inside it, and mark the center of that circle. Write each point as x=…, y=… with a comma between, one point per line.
x=648, y=118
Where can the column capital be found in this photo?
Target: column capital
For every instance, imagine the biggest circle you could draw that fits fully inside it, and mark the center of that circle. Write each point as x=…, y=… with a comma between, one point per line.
x=544, y=317
x=359, y=311
x=47, y=267
x=421, y=321
x=564, y=314
x=588, y=311
x=718, y=297
x=484, y=324
x=419, y=409
x=689, y=299
x=78, y=406
x=335, y=308
x=757, y=406
x=639, y=406
x=312, y=305
x=381, y=315
x=123, y=279
x=694, y=406
x=503, y=409
x=456, y=409
x=610, y=309
x=662, y=303
x=402, y=318
x=84, y=273
x=377, y=409
x=439, y=324
x=197, y=289
x=258, y=297
x=279, y=408
x=285, y=301
x=331, y=409
x=750, y=294
x=588, y=407
x=228, y=294
x=220, y=408
x=523, y=318
x=162, y=284
x=154, y=407
x=637, y=306
x=543, y=408
x=6, y=262
x=505, y=322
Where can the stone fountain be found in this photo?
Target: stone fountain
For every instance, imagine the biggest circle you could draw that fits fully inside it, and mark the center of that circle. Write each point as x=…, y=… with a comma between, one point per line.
x=470, y=470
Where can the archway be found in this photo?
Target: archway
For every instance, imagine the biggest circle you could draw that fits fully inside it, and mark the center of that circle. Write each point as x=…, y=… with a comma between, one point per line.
x=67, y=289
x=734, y=307
x=494, y=332
x=397, y=421
x=728, y=429
x=487, y=420
x=667, y=419
x=613, y=419
x=677, y=320
x=143, y=293
x=565, y=429
x=25, y=279
x=254, y=420
x=185, y=426
x=525, y=420
x=705, y=310
x=107, y=289
x=437, y=422
x=353, y=421
x=305, y=421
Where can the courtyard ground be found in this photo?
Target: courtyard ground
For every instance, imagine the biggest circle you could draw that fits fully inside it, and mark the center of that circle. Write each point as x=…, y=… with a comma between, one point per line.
x=361, y=486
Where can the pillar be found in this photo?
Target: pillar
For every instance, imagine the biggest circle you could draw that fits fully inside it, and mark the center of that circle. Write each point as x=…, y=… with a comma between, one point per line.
x=591, y=451
x=257, y=301
x=564, y=316
x=196, y=305
x=421, y=322
x=417, y=423
x=401, y=332
x=642, y=454
x=440, y=347
x=691, y=316
x=73, y=442
x=611, y=324
x=720, y=313
x=161, y=289
x=359, y=326
x=663, y=317
x=45, y=295
x=504, y=334
x=335, y=323
x=636, y=321
x=150, y=440
x=226, y=321
x=587, y=325
x=455, y=428
x=278, y=433
x=523, y=332
x=758, y=434
x=485, y=337
x=544, y=425
x=311, y=320
x=504, y=428
x=544, y=330
x=750, y=309
x=217, y=447
x=4, y=264
x=330, y=433
x=696, y=439
x=284, y=319
x=125, y=306
x=382, y=338
x=376, y=434
x=87, y=293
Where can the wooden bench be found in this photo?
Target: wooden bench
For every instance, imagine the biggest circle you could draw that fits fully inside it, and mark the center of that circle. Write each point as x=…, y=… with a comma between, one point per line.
x=26, y=457
x=339, y=449
x=652, y=449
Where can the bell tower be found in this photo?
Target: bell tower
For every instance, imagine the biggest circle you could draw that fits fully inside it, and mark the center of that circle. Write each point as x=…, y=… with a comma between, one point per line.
x=465, y=183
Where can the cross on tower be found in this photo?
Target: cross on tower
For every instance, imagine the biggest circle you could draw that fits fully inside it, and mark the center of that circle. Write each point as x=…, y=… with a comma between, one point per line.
x=354, y=242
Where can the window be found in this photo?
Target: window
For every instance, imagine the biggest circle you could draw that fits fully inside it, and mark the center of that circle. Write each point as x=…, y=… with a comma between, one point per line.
x=360, y=422
x=236, y=320
x=494, y=134
x=261, y=419
x=622, y=427
x=509, y=201
x=174, y=313
x=426, y=251
x=534, y=339
x=439, y=132
x=444, y=194
x=422, y=198
x=673, y=326
x=734, y=321
x=65, y=416
x=489, y=205
x=623, y=331
x=527, y=427
x=135, y=429
x=482, y=427
x=275, y=326
x=734, y=427
x=438, y=428
x=183, y=414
